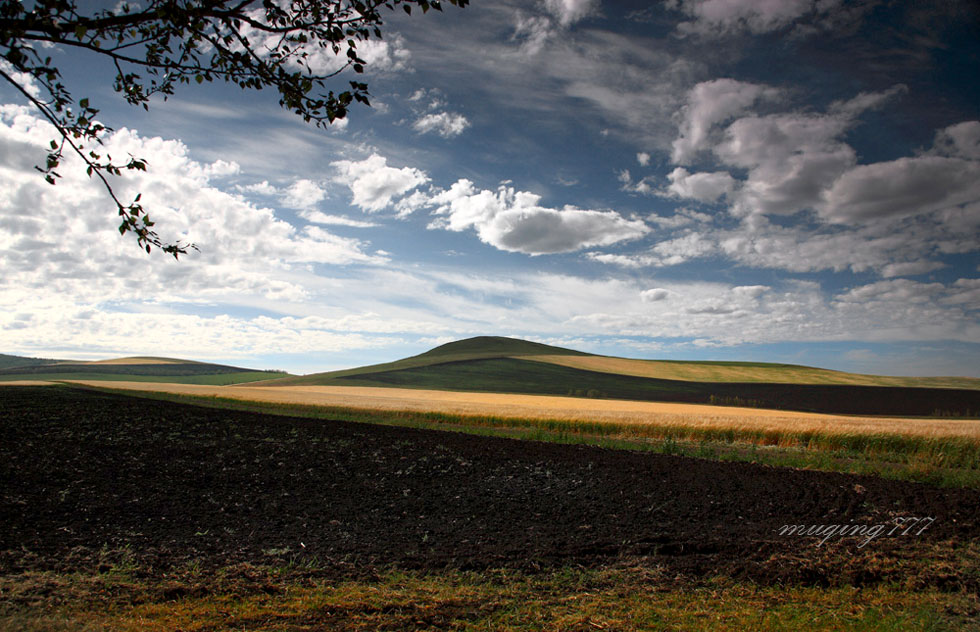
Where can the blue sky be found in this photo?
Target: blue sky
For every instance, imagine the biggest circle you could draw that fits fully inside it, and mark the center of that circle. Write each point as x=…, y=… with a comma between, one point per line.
x=788, y=181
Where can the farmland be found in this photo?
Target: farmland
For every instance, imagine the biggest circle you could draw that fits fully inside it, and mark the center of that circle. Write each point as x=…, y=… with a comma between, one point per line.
x=504, y=365
x=140, y=514
x=487, y=484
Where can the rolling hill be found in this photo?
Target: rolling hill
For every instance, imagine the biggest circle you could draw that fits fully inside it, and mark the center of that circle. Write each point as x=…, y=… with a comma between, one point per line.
x=133, y=369
x=506, y=365
x=10, y=361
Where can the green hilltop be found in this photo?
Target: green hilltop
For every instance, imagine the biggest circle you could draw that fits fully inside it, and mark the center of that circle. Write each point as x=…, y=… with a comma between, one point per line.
x=508, y=365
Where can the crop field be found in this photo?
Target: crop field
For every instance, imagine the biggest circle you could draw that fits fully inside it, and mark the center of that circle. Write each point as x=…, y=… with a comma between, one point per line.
x=745, y=372
x=575, y=410
x=129, y=513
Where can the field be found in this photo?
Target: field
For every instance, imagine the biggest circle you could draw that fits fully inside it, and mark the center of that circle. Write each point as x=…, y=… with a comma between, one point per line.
x=746, y=372
x=504, y=365
x=131, y=513
x=617, y=413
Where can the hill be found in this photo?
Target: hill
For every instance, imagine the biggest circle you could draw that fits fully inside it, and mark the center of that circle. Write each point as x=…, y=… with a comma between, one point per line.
x=504, y=365
x=479, y=348
x=9, y=361
x=139, y=369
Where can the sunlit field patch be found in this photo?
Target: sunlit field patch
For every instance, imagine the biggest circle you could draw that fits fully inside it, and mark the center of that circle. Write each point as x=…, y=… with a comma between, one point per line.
x=573, y=409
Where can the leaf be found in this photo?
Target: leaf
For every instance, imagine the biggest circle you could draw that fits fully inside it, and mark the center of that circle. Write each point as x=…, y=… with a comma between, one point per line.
x=199, y=78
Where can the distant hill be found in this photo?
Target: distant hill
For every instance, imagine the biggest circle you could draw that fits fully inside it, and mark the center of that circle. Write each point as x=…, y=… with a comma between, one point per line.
x=479, y=348
x=8, y=361
x=136, y=369
x=506, y=365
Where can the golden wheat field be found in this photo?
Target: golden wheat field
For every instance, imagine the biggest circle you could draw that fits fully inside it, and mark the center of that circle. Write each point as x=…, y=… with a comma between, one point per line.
x=566, y=408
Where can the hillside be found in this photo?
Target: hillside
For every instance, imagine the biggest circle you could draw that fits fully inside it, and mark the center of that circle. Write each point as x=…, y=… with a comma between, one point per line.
x=479, y=348
x=9, y=361
x=144, y=369
x=489, y=364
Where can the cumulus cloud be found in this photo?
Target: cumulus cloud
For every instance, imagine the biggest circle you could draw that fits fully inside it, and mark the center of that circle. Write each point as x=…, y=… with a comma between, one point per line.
x=897, y=217
x=791, y=158
x=654, y=295
x=709, y=104
x=445, y=124
x=703, y=187
x=681, y=249
x=64, y=237
x=259, y=188
x=902, y=187
x=643, y=158
x=303, y=194
x=960, y=141
x=374, y=184
x=514, y=221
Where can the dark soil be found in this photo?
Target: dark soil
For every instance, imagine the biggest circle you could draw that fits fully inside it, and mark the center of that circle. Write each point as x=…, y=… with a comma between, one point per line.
x=87, y=477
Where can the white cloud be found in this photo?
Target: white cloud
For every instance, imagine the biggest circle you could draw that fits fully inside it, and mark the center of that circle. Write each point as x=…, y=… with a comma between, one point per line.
x=895, y=218
x=22, y=79
x=682, y=217
x=514, y=221
x=681, y=249
x=961, y=140
x=703, y=187
x=374, y=184
x=907, y=186
x=709, y=104
x=387, y=55
x=568, y=12
x=751, y=292
x=910, y=268
x=756, y=16
x=533, y=32
x=63, y=238
x=559, y=15
x=654, y=295
x=643, y=158
x=259, y=188
x=319, y=217
x=446, y=124
x=865, y=101
x=791, y=159
x=303, y=194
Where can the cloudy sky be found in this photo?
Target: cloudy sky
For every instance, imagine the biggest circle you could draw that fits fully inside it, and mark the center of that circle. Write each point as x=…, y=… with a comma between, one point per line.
x=780, y=180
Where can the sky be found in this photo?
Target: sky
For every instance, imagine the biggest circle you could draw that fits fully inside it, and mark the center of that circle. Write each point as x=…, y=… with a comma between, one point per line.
x=788, y=181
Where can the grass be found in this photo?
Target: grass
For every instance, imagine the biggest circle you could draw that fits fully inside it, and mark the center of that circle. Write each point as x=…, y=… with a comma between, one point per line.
x=280, y=599
x=940, y=460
